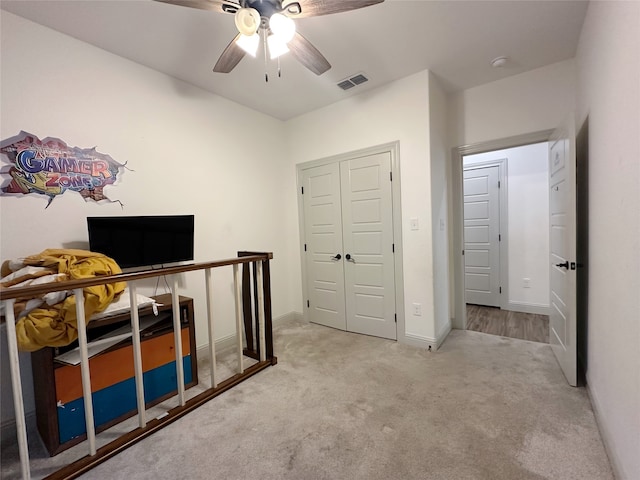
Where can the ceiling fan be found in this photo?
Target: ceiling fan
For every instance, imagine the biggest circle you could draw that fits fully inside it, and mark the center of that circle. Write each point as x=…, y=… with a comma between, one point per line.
x=274, y=20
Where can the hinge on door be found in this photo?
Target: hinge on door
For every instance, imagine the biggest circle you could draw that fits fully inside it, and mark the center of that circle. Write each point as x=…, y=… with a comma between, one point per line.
x=498, y=183
x=391, y=176
x=305, y=247
x=393, y=247
x=307, y=303
x=302, y=188
x=499, y=237
x=500, y=289
x=395, y=317
x=462, y=252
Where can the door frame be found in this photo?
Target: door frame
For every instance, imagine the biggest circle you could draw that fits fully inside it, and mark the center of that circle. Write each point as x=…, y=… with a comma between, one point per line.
x=503, y=245
x=457, y=216
x=393, y=148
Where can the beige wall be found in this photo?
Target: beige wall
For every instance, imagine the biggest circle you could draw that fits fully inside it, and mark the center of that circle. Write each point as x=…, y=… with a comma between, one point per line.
x=398, y=111
x=176, y=141
x=608, y=65
x=439, y=160
x=126, y=105
x=533, y=101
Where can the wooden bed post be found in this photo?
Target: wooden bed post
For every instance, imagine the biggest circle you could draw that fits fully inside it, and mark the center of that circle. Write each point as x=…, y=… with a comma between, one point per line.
x=251, y=316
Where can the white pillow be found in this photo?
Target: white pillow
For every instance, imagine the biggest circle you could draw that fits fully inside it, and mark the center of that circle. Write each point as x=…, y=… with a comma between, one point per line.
x=123, y=305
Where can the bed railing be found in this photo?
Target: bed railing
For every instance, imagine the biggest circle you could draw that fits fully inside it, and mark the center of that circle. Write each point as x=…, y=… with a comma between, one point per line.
x=252, y=295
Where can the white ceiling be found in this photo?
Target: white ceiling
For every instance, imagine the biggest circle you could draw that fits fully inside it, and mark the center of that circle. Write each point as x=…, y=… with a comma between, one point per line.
x=456, y=40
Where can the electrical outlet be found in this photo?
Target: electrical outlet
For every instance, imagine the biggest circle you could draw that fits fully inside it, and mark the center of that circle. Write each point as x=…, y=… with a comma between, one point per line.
x=526, y=283
x=417, y=309
x=415, y=225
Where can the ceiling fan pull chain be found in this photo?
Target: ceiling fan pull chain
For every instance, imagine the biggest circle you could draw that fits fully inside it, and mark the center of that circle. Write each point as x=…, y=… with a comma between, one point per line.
x=264, y=44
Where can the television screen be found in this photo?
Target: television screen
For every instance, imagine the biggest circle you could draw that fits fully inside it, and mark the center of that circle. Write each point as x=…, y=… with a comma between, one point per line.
x=142, y=241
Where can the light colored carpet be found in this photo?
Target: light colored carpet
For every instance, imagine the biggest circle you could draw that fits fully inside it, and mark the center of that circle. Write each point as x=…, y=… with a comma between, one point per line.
x=347, y=406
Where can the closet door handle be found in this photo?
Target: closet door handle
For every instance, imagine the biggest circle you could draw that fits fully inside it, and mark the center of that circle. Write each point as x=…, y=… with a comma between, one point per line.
x=337, y=257
x=349, y=258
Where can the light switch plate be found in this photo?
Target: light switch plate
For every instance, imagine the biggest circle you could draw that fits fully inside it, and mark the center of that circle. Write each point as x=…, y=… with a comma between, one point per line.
x=414, y=223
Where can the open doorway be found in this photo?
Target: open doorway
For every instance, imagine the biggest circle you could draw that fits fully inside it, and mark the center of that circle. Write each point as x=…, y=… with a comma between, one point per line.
x=505, y=240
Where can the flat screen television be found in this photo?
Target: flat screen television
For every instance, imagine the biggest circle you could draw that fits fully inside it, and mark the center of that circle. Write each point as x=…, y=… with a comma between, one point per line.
x=142, y=241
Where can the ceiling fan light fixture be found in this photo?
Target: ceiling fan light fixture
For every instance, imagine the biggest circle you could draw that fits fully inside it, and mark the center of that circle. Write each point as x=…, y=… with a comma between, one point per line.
x=277, y=46
x=282, y=26
x=247, y=21
x=249, y=43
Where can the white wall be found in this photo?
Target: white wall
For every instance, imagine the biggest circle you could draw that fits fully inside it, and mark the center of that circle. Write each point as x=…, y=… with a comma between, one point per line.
x=527, y=221
x=608, y=64
x=439, y=160
x=397, y=111
x=529, y=102
x=179, y=140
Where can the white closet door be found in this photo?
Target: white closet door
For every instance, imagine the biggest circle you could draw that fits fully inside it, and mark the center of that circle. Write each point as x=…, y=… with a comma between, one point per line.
x=481, y=236
x=367, y=218
x=323, y=238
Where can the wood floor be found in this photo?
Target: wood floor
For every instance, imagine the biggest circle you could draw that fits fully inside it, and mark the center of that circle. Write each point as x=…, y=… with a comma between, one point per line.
x=525, y=326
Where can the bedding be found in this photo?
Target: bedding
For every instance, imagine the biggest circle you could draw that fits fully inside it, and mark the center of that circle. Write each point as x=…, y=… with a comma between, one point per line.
x=123, y=304
x=50, y=321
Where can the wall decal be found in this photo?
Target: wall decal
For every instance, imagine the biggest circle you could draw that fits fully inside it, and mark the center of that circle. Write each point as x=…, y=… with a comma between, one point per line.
x=49, y=167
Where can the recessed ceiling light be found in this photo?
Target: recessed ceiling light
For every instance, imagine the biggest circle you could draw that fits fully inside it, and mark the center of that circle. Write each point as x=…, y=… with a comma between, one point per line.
x=499, y=62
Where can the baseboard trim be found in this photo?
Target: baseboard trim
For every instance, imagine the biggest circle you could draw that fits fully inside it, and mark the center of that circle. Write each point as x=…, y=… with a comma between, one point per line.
x=422, y=341
x=297, y=316
x=419, y=341
x=443, y=333
x=605, y=434
x=525, y=307
x=202, y=351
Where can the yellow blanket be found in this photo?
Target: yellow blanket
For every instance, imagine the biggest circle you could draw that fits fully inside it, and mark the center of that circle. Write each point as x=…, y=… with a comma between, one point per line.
x=56, y=325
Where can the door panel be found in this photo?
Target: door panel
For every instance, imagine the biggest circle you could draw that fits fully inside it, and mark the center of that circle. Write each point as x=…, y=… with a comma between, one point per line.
x=477, y=210
x=478, y=281
x=368, y=275
x=562, y=240
x=481, y=231
x=368, y=239
x=323, y=237
x=479, y=234
x=367, y=242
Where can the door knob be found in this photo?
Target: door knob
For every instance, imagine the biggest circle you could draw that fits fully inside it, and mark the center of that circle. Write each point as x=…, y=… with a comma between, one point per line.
x=337, y=257
x=349, y=258
x=563, y=265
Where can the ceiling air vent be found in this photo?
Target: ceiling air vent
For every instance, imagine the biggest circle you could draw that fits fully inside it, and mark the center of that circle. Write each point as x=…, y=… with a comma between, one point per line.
x=346, y=84
x=353, y=81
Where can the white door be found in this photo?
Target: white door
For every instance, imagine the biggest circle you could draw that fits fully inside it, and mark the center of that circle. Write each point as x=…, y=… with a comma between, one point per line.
x=482, y=235
x=323, y=242
x=368, y=245
x=348, y=237
x=562, y=247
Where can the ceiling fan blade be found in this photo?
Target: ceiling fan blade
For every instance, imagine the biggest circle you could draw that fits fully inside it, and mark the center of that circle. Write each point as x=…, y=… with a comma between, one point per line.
x=221, y=6
x=230, y=57
x=308, y=55
x=314, y=8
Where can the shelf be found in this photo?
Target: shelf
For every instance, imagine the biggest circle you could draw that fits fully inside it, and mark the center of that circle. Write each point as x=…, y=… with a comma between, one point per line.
x=58, y=389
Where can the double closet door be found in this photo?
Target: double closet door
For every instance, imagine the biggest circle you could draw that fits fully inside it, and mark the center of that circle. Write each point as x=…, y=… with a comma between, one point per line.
x=349, y=250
